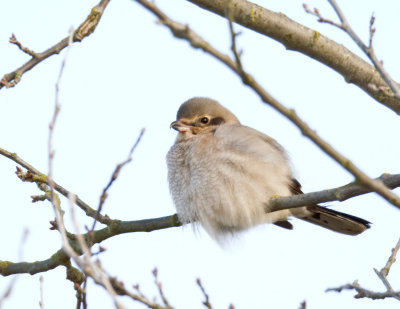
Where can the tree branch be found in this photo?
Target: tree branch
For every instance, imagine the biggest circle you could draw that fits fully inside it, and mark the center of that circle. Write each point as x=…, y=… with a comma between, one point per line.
x=309, y=42
x=368, y=50
x=114, y=176
x=362, y=292
x=84, y=30
x=335, y=194
x=34, y=175
x=117, y=227
x=392, y=258
x=382, y=275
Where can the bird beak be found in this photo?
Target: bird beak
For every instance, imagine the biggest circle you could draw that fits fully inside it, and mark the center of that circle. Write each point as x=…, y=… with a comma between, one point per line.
x=180, y=126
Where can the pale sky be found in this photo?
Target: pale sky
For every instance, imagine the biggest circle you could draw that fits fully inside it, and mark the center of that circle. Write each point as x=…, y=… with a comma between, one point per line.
x=131, y=73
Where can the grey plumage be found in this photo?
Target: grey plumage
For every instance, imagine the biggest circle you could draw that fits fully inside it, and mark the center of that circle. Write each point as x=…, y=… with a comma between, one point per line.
x=222, y=174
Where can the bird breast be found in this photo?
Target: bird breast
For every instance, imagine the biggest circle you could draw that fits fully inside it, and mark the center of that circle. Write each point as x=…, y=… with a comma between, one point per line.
x=224, y=179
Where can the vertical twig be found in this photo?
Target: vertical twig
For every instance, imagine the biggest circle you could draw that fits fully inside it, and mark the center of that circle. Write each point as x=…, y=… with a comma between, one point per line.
x=86, y=264
x=368, y=50
x=41, y=302
x=57, y=107
x=115, y=175
x=13, y=281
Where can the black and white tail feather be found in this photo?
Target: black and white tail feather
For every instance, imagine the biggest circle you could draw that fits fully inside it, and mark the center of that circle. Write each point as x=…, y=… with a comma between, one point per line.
x=327, y=218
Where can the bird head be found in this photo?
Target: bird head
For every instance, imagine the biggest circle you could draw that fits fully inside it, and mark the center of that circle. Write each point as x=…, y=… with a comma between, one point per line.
x=199, y=116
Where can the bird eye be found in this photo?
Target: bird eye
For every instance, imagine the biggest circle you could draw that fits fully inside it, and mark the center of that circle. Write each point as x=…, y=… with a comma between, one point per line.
x=204, y=120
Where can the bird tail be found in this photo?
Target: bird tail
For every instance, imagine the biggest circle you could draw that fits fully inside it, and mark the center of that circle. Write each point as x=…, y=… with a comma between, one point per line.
x=336, y=221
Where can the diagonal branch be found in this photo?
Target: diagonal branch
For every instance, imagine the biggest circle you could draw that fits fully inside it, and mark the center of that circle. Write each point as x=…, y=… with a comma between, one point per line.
x=329, y=195
x=184, y=32
x=382, y=275
x=368, y=50
x=34, y=175
x=392, y=258
x=114, y=176
x=309, y=42
x=84, y=30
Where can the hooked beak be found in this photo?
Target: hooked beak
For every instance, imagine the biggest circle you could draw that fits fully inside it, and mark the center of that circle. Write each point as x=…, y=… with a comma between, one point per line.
x=180, y=126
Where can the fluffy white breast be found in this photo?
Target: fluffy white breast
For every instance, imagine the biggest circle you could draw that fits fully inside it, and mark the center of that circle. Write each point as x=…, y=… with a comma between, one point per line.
x=224, y=179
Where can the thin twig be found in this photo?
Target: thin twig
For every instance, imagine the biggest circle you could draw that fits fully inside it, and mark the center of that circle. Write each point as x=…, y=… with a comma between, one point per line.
x=303, y=305
x=392, y=258
x=38, y=177
x=341, y=193
x=364, y=293
x=387, y=285
x=184, y=32
x=384, y=272
x=41, y=302
x=85, y=29
x=237, y=54
x=115, y=174
x=55, y=201
x=321, y=19
x=367, y=49
x=86, y=264
x=309, y=42
x=138, y=296
x=13, y=40
x=382, y=275
x=206, y=301
x=160, y=289
x=7, y=292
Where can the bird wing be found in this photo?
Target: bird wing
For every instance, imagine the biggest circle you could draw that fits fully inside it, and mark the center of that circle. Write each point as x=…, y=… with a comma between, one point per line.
x=331, y=219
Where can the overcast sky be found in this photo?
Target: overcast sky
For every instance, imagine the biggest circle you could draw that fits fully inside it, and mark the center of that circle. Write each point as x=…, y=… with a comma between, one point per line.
x=132, y=74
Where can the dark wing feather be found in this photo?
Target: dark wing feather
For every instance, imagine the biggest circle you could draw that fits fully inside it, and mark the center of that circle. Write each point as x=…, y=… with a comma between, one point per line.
x=284, y=224
x=331, y=219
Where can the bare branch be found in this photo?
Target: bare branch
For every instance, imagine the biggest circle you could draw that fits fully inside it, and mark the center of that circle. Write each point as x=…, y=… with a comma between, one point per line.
x=117, y=227
x=86, y=264
x=387, y=284
x=368, y=50
x=321, y=19
x=34, y=175
x=364, y=293
x=206, y=301
x=13, y=281
x=371, y=30
x=120, y=289
x=392, y=258
x=303, y=305
x=341, y=193
x=184, y=32
x=335, y=194
x=384, y=272
x=237, y=54
x=84, y=30
x=41, y=302
x=115, y=175
x=309, y=42
x=53, y=197
x=160, y=289
x=382, y=275
x=13, y=40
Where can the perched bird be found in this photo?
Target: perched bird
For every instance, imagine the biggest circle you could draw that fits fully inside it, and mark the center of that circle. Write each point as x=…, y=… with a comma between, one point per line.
x=222, y=175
